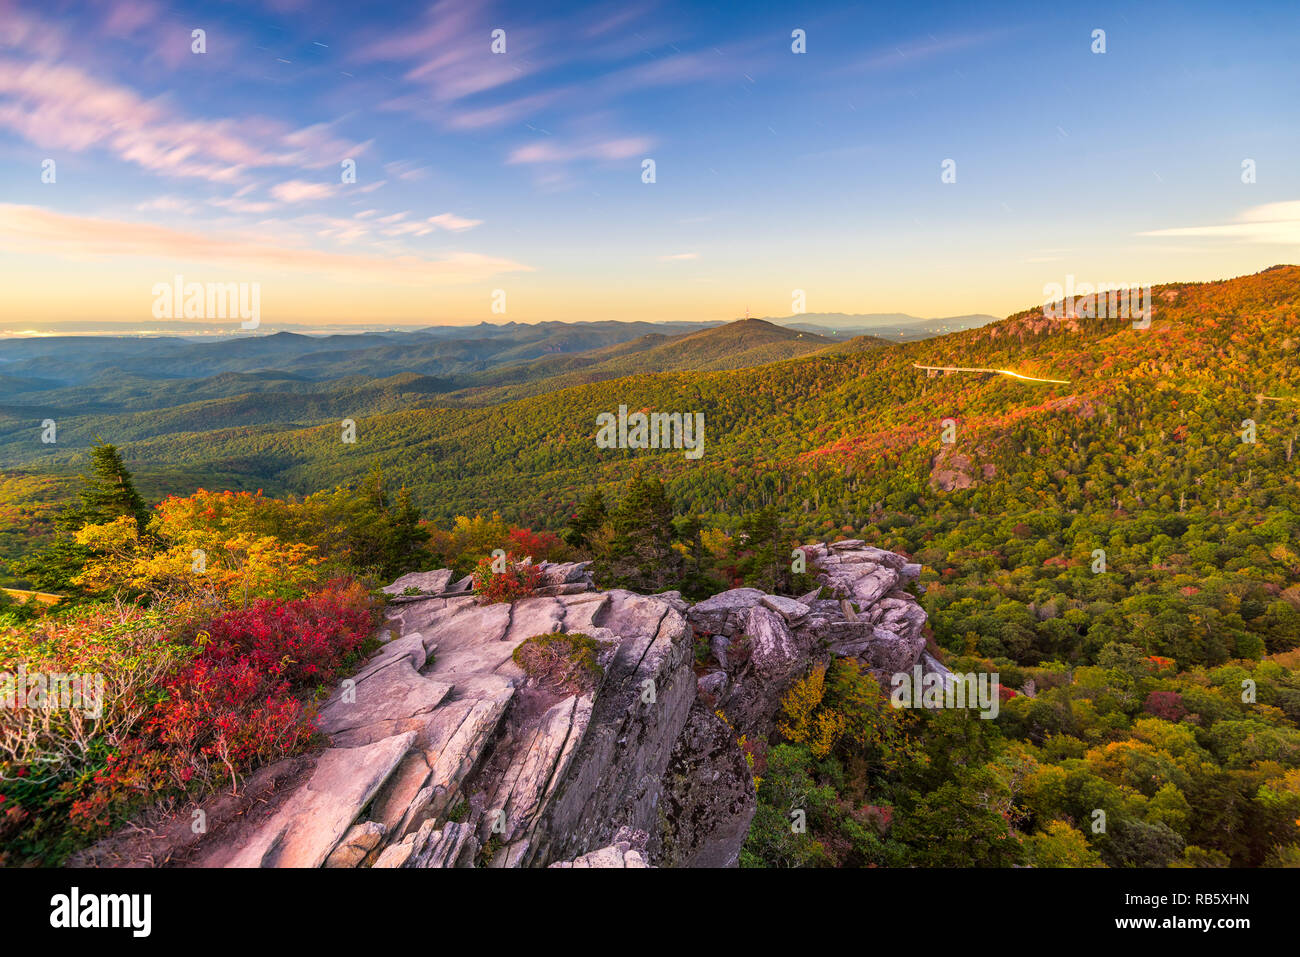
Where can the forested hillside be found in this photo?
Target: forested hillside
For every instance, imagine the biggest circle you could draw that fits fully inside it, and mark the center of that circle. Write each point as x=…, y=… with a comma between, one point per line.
x=837, y=438
x=155, y=387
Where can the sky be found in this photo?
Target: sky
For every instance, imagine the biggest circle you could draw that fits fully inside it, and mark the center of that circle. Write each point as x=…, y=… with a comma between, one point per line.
x=511, y=185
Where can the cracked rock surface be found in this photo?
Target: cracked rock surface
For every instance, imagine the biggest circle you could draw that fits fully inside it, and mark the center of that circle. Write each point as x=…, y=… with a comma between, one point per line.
x=444, y=753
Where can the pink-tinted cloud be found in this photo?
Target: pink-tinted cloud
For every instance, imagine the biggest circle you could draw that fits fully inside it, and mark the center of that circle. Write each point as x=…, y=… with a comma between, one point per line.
x=26, y=228
x=450, y=52
x=167, y=204
x=510, y=112
x=58, y=106
x=551, y=151
x=453, y=223
x=237, y=205
x=37, y=38
x=297, y=191
x=127, y=17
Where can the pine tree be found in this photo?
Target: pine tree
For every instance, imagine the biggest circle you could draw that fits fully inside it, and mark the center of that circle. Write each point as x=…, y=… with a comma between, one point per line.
x=590, y=516
x=109, y=493
x=764, y=542
x=385, y=532
x=641, y=555
x=760, y=541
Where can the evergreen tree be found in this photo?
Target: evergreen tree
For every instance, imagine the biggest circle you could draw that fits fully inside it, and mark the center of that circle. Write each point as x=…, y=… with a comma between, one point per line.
x=407, y=537
x=590, y=516
x=764, y=542
x=109, y=492
x=697, y=580
x=379, y=533
x=640, y=553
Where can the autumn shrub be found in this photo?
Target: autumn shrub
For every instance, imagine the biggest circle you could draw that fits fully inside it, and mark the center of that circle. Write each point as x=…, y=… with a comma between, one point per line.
x=539, y=546
x=190, y=706
x=1165, y=704
x=306, y=642
x=201, y=566
x=244, y=699
x=565, y=663
x=469, y=539
x=50, y=755
x=517, y=580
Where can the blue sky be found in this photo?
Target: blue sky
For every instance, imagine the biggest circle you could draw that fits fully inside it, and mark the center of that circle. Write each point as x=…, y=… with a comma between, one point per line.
x=521, y=171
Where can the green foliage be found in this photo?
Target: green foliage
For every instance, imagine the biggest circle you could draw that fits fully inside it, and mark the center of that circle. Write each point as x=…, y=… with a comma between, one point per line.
x=380, y=532
x=108, y=491
x=590, y=516
x=762, y=556
x=634, y=549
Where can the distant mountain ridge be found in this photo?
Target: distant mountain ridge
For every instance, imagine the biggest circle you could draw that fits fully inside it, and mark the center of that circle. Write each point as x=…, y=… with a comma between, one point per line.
x=895, y=326
x=139, y=389
x=805, y=424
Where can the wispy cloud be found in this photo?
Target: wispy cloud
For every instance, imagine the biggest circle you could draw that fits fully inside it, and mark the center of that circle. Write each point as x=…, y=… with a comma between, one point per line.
x=24, y=228
x=236, y=204
x=552, y=151
x=453, y=223
x=166, y=204
x=297, y=191
x=1272, y=223
x=918, y=52
x=64, y=108
x=449, y=54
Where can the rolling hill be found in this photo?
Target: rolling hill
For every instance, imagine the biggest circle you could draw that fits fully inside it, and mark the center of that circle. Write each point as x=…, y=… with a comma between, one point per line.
x=319, y=383
x=1157, y=410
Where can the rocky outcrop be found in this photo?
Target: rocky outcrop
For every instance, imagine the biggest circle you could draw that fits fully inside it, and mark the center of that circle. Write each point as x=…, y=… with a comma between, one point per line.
x=628, y=850
x=762, y=643
x=443, y=752
x=708, y=797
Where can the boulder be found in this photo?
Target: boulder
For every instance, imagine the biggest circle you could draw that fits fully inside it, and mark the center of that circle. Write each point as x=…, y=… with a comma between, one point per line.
x=317, y=815
x=720, y=614
x=356, y=844
x=713, y=684
x=429, y=583
x=389, y=700
x=708, y=799
x=790, y=609
x=626, y=851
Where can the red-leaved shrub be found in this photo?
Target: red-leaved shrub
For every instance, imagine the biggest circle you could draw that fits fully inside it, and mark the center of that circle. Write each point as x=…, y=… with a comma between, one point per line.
x=518, y=580
x=241, y=702
x=1167, y=705
x=303, y=643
